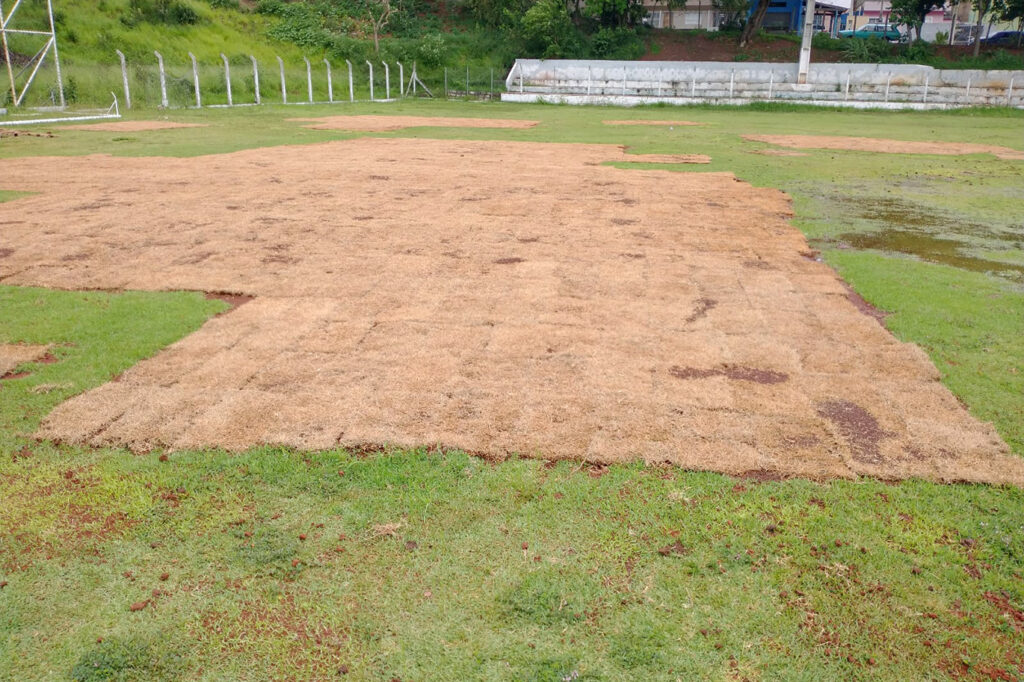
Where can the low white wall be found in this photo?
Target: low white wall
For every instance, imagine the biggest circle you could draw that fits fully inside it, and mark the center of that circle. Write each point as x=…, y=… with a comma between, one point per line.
x=688, y=81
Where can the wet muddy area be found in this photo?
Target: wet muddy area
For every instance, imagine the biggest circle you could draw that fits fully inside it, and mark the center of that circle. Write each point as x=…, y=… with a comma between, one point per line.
x=932, y=236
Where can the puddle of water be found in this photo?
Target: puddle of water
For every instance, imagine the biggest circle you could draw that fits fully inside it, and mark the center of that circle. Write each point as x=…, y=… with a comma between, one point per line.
x=893, y=214
x=930, y=248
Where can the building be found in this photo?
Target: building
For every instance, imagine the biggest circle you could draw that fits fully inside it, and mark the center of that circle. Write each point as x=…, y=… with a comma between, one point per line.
x=782, y=15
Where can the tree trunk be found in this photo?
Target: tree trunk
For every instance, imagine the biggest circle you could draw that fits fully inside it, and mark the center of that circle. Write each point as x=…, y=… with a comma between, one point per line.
x=376, y=38
x=977, y=39
x=754, y=23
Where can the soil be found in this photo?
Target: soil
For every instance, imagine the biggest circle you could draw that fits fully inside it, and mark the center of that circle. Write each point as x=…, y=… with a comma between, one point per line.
x=387, y=123
x=132, y=126
x=871, y=144
x=694, y=46
x=402, y=330
x=14, y=354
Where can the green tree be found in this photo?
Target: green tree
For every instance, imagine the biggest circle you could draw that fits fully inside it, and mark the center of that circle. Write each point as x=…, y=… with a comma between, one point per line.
x=1012, y=10
x=753, y=24
x=912, y=13
x=732, y=11
x=548, y=31
x=615, y=13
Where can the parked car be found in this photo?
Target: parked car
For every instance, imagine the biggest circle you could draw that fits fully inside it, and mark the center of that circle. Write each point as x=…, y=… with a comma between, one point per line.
x=1003, y=39
x=889, y=33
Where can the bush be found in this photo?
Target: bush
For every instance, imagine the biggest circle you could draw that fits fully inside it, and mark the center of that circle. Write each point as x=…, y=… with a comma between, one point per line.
x=941, y=38
x=870, y=51
x=917, y=52
x=823, y=41
x=616, y=43
x=432, y=50
x=159, y=12
x=548, y=31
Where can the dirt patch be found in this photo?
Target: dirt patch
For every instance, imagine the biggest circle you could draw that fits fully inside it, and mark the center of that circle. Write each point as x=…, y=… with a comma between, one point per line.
x=14, y=354
x=132, y=126
x=777, y=152
x=871, y=144
x=858, y=427
x=379, y=124
x=651, y=123
x=666, y=158
x=369, y=334
x=752, y=374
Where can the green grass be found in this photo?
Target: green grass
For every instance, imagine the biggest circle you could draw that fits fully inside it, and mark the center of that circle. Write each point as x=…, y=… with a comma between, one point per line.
x=438, y=565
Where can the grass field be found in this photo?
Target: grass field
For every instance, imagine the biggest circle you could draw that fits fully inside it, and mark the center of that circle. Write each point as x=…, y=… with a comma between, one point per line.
x=275, y=564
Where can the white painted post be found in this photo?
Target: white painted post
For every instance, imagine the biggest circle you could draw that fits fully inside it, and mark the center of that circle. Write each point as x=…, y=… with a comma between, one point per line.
x=309, y=79
x=387, y=80
x=56, y=55
x=227, y=78
x=163, y=80
x=847, y=95
x=330, y=83
x=371, y=78
x=658, y=92
x=805, y=42
x=195, y=80
x=401, y=80
x=351, y=91
x=590, y=78
x=124, y=80
x=771, y=84
x=732, y=82
x=967, y=97
x=256, y=77
x=693, y=83
x=1009, y=92
x=924, y=99
x=520, y=79
x=284, y=87
x=623, y=82
x=887, y=81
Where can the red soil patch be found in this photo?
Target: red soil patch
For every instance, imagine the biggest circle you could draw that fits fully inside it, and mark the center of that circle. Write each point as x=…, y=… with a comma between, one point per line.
x=132, y=126
x=498, y=297
x=871, y=144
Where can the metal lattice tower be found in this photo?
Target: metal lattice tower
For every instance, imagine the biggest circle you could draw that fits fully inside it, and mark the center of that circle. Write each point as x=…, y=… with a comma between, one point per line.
x=7, y=29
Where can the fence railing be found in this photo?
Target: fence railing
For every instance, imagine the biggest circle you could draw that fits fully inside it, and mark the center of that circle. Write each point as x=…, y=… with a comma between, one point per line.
x=244, y=80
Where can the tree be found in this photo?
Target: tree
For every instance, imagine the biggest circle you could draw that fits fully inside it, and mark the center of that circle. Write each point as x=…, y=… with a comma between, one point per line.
x=912, y=13
x=1013, y=10
x=548, y=30
x=380, y=12
x=983, y=8
x=753, y=24
x=731, y=10
x=615, y=13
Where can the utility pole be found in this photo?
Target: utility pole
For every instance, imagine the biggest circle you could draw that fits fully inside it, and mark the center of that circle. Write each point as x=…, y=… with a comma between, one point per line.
x=805, y=44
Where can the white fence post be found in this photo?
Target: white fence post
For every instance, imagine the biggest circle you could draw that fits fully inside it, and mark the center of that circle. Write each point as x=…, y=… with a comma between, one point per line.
x=847, y=95
x=693, y=83
x=351, y=91
x=924, y=99
x=124, y=80
x=284, y=87
x=887, y=81
x=732, y=82
x=967, y=97
x=195, y=80
x=371, y=78
x=163, y=80
x=387, y=80
x=401, y=79
x=256, y=77
x=520, y=79
x=1009, y=92
x=227, y=78
x=771, y=84
x=330, y=83
x=309, y=79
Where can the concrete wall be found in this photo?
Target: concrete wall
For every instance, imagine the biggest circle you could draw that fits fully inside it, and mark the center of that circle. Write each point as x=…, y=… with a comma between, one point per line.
x=891, y=85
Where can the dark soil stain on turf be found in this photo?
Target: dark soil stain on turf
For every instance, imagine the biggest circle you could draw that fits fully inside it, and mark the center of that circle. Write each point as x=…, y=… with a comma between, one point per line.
x=862, y=305
x=14, y=375
x=858, y=427
x=509, y=261
x=735, y=372
x=701, y=309
x=233, y=300
x=929, y=248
